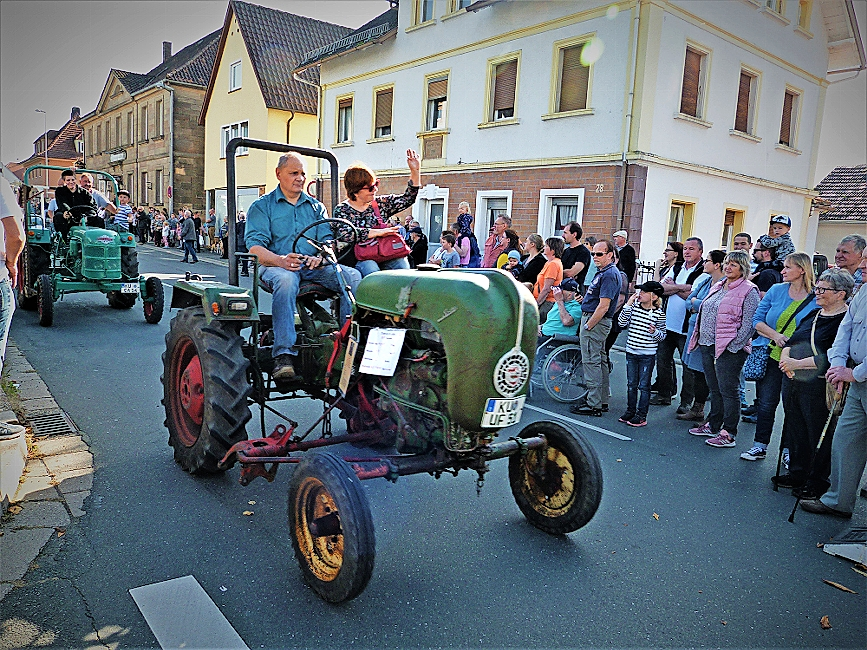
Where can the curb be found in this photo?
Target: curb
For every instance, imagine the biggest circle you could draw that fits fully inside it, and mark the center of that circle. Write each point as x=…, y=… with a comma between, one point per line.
x=57, y=478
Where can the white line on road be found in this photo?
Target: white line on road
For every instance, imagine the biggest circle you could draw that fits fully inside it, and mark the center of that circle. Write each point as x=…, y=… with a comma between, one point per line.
x=182, y=615
x=578, y=422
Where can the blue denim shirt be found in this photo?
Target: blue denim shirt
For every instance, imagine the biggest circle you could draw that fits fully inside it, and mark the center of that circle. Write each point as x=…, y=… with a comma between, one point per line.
x=273, y=223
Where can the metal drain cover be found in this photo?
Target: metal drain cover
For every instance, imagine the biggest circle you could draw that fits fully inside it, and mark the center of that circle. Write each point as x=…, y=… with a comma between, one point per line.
x=51, y=424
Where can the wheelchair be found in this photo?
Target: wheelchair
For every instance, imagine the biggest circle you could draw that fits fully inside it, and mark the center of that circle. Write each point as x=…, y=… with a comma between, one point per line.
x=558, y=368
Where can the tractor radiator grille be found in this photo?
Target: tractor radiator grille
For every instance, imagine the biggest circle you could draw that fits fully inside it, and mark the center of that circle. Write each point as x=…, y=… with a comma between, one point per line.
x=100, y=262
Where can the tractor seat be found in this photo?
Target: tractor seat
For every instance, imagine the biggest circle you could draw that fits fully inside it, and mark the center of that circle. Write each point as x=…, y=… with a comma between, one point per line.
x=308, y=289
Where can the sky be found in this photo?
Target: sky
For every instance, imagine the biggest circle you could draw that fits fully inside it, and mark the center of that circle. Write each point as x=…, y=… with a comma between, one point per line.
x=56, y=55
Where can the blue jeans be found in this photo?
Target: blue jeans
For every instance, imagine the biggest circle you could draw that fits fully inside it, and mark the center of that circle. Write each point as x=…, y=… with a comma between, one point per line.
x=722, y=380
x=284, y=288
x=190, y=249
x=367, y=267
x=639, y=367
x=7, y=308
x=768, y=391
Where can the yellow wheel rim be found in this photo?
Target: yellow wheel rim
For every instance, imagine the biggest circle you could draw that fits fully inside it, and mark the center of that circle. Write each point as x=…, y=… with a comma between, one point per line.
x=324, y=555
x=551, y=496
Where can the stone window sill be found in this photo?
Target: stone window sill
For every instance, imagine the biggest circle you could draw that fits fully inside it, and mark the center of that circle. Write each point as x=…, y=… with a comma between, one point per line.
x=745, y=136
x=693, y=120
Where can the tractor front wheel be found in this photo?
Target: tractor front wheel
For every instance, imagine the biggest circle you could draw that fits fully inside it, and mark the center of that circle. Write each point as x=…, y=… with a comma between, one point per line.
x=154, y=302
x=331, y=525
x=205, y=390
x=45, y=300
x=118, y=300
x=558, y=488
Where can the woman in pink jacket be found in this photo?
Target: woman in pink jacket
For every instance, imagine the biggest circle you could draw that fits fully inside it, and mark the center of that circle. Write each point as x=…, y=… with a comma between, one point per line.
x=723, y=334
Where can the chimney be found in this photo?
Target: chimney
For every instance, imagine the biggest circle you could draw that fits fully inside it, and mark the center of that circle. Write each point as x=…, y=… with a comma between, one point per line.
x=76, y=113
x=167, y=50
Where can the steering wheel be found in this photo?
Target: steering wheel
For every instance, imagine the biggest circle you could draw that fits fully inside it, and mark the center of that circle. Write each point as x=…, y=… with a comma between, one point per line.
x=343, y=238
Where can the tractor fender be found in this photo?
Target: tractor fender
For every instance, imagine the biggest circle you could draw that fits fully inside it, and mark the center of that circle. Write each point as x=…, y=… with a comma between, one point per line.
x=218, y=300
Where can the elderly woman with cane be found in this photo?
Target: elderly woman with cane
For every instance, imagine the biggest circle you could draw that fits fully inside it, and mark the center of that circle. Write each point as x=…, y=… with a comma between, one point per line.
x=804, y=361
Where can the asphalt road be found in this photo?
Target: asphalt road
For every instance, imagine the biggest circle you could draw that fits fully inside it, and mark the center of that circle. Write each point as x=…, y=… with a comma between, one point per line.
x=720, y=566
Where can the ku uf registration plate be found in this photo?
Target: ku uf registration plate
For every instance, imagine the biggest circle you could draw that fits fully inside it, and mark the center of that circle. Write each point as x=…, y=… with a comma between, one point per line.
x=501, y=412
x=129, y=287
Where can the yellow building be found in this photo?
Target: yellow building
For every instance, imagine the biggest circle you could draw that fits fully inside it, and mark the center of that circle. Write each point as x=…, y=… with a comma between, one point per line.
x=252, y=93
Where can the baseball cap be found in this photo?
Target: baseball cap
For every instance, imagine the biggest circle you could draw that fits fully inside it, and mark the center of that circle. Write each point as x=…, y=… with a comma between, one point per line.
x=119, y=192
x=416, y=230
x=620, y=233
x=569, y=284
x=515, y=255
x=652, y=286
x=781, y=218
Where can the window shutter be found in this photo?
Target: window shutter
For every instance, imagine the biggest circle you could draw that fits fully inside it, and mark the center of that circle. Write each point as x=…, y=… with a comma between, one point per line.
x=743, y=111
x=691, y=80
x=344, y=103
x=574, y=79
x=729, y=219
x=437, y=89
x=433, y=147
x=383, y=108
x=506, y=76
x=786, y=123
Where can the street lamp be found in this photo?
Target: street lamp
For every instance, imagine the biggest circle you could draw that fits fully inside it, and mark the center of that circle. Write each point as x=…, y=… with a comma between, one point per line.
x=45, y=126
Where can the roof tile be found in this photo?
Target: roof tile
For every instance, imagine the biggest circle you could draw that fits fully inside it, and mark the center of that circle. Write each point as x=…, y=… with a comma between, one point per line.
x=846, y=190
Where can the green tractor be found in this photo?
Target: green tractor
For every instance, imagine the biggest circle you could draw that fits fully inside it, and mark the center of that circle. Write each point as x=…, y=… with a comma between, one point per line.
x=87, y=259
x=427, y=372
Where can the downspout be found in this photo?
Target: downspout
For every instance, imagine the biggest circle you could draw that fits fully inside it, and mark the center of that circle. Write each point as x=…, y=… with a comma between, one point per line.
x=288, y=122
x=633, y=64
x=162, y=84
x=320, y=97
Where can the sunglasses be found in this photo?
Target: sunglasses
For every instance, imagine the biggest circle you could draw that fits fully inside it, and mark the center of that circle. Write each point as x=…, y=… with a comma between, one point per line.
x=599, y=254
x=372, y=187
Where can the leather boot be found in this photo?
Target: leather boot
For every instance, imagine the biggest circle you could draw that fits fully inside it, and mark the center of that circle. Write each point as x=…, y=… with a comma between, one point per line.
x=695, y=414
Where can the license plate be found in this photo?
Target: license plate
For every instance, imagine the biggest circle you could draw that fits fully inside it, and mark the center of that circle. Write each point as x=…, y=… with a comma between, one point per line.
x=501, y=412
x=129, y=287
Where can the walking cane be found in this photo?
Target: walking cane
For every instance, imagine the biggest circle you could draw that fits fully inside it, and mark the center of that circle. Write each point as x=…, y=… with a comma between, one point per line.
x=836, y=410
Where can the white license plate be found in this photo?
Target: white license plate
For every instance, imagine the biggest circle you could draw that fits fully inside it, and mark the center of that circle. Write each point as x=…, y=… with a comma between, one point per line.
x=501, y=412
x=129, y=287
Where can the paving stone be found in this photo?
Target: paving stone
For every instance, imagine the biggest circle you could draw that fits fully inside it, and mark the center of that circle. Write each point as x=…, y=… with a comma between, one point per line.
x=35, y=467
x=39, y=405
x=75, y=501
x=8, y=416
x=55, y=445
x=67, y=462
x=36, y=488
x=74, y=480
x=19, y=548
x=38, y=514
x=33, y=389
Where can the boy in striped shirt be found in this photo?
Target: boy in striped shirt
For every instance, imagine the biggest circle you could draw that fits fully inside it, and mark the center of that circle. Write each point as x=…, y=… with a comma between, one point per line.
x=121, y=218
x=644, y=317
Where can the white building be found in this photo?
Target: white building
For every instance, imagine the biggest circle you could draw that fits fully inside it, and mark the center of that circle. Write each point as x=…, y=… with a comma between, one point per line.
x=668, y=118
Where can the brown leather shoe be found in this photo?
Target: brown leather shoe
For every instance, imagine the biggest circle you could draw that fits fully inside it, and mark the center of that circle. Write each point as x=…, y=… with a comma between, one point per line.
x=283, y=370
x=818, y=508
x=692, y=415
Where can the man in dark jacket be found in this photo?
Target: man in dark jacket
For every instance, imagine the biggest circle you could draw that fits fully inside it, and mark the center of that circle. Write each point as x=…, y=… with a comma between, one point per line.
x=240, y=246
x=197, y=221
x=189, y=236
x=626, y=254
x=73, y=203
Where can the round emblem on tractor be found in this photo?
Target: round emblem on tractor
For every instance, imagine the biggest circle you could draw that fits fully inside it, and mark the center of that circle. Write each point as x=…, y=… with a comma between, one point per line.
x=511, y=373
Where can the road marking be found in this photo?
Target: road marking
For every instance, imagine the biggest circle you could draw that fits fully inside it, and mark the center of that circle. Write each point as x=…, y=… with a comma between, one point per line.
x=578, y=422
x=182, y=615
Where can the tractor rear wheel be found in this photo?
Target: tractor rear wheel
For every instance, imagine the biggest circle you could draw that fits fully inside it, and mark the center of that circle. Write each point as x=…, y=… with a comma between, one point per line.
x=155, y=303
x=45, y=300
x=118, y=300
x=331, y=525
x=205, y=390
x=559, y=488
x=33, y=262
x=129, y=262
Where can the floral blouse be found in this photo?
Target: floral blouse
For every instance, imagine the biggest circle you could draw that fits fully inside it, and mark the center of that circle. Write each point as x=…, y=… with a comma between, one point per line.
x=389, y=204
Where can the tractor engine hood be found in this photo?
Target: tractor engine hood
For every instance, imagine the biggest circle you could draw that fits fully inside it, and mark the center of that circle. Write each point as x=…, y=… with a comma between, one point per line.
x=489, y=349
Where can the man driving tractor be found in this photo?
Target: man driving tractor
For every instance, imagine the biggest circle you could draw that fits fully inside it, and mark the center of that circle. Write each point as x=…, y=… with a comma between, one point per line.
x=273, y=222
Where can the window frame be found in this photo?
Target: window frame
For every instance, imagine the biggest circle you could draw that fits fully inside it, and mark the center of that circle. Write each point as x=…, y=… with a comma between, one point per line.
x=159, y=125
x=426, y=114
x=490, y=117
x=99, y=148
x=557, y=77
x=242, y=130
x=688, y=206
x=130, y=128
x=418, y=12
x=702, y=91
x=235, y=66
x=144, y=126
x=130, y=180
x=794, y=117
x=480, y=227
x=344, y=138
x=143, y=189
x=118, y=120
x=805, y=9
x=545, y=223
x=158, y=186
x=377, y=91
x=752, y=102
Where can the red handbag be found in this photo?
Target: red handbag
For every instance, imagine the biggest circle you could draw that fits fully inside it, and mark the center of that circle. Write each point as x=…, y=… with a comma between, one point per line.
x=381, y=249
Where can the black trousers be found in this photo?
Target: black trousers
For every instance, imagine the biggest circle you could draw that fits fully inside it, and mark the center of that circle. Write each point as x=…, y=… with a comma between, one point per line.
x=695, y=388
x=666, y=376
x=806, y=414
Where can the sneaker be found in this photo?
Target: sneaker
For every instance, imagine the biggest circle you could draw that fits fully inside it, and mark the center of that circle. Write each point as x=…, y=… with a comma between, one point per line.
x=750, y=419
x=692, y=416
x=786, y=458
x=787, y=481
x=756, y=453
x=748, y=410
x=637, y=421
x=682, y=410
x=626, y=417
x=586, y=410
x=8, y=430
x=283, y=370
x=660, y=400
x=722, y=439
x=702, y=430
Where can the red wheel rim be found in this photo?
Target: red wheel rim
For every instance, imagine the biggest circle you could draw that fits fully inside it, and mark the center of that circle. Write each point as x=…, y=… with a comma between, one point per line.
x=148, y=308
x=187, y=392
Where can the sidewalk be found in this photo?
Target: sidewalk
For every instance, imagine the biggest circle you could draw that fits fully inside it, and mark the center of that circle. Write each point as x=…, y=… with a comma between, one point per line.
x=58, y=474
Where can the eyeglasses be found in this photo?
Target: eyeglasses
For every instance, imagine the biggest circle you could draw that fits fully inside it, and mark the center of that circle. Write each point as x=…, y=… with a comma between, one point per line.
x=820, y=290
x=595, y=254
x=372, y=187
x=669, y=250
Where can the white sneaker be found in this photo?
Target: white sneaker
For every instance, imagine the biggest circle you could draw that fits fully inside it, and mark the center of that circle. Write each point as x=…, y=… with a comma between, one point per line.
x=8, y=430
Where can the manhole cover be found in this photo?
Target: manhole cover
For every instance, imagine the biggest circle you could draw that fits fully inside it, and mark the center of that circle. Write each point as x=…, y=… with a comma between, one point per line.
x=51, y=424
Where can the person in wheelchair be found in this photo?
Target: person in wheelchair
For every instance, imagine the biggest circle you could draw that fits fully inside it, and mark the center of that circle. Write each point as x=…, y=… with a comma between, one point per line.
x=273, y=222
x=565, y=318
x=73, y=202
